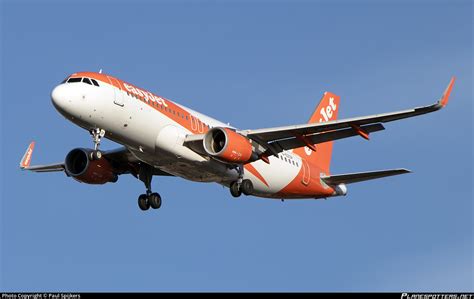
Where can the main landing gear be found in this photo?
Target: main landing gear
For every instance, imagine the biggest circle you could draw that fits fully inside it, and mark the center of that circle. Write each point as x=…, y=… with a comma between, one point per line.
x=97, y=134
x=145, y=201
x=246, y=187
x=241, y=186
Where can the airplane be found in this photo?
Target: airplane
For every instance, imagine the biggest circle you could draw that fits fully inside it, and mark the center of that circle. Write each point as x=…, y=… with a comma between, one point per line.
x=162, y=138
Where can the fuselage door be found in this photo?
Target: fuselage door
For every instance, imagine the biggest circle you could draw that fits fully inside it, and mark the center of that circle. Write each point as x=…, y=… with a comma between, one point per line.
x=197, y=125
x=118, y=93
x=306, y=172
x=194, y=125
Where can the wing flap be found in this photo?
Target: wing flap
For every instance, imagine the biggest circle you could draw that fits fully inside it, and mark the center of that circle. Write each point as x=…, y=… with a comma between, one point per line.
x=356, y=177
x=271, y=134
x=291, y=143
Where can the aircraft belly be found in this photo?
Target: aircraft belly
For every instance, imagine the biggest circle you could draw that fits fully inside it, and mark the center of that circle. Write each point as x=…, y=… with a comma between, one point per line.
x=200, y=171
x=171, y=156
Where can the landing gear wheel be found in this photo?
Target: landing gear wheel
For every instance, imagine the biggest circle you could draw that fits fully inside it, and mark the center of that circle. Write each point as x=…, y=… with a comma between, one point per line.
x=143, y=202
x=154, y=200
x=246, y=187
x=96, y=155
x=235, y=190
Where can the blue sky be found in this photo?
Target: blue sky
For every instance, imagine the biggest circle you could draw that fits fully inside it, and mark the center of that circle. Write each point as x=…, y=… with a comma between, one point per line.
x=254, y=64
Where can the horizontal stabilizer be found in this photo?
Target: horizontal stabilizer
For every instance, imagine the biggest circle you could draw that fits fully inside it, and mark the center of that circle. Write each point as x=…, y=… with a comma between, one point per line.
x=350, y=178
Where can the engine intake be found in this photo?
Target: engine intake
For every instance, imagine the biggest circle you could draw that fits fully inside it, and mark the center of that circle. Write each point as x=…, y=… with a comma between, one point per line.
x=228, y=146
x=79, y=166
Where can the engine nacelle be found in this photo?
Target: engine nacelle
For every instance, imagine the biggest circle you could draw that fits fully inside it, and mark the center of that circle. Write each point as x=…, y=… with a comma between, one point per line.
x=79, y=166
x=228, y=146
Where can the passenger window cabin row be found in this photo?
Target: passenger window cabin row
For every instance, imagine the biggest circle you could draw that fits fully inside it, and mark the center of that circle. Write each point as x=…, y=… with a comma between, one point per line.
x=291, y=161
x=171, y=111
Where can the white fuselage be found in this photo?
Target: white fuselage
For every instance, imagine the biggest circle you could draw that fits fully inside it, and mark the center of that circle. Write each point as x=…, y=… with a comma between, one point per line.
x=153, y=132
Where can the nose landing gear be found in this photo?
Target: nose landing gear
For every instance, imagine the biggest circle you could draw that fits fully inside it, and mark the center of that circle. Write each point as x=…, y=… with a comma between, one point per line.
x=97, y=135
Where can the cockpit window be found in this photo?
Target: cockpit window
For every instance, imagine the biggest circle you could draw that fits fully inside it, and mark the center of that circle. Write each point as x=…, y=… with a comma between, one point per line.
x=74, y=80
x=95, y=82
x=89, y=81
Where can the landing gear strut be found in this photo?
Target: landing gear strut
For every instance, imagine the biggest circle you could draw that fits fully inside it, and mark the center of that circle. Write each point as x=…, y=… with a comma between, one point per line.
x=97, y=135
x=241, y=186
x=145, y=201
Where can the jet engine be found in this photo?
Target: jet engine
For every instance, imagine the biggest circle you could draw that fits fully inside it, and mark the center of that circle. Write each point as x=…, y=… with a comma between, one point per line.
x=228, y=146
x=82, y=168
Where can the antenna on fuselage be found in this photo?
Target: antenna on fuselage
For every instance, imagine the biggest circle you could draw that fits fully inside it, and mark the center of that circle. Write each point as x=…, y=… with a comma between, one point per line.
x=100, y=71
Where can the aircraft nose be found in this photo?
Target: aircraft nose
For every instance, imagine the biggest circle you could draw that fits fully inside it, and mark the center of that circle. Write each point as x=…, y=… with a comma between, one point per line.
x=59, y=97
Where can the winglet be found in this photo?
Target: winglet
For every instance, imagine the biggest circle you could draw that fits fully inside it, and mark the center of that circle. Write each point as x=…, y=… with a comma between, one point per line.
x=445, y=98
x=26, y=160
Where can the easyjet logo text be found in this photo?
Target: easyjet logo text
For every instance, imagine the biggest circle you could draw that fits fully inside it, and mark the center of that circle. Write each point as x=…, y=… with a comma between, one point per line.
x=148, y=96
x=328, y=111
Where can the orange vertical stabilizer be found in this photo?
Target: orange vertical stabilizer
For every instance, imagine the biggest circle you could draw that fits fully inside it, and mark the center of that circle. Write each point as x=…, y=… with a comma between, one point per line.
x=326, y=111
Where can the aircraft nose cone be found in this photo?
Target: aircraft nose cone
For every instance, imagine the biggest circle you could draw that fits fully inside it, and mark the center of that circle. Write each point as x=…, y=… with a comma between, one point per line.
x=59, y=97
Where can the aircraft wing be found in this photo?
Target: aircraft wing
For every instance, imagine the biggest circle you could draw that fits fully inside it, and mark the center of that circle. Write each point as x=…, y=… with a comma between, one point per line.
x=278, y=139
x=350, y=178
x=45, y=168
x=121, y=159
